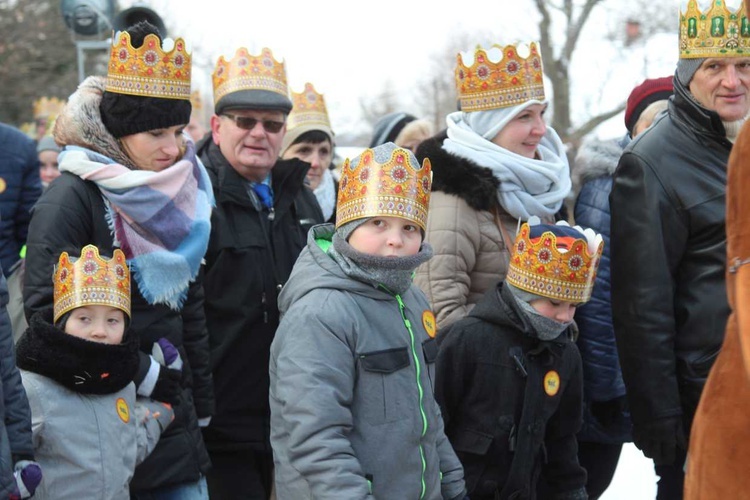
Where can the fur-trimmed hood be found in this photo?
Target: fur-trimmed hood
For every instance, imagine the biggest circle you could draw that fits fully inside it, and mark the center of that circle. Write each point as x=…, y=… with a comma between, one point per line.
x=595, y=159
x=80, y=123
x=451, y=174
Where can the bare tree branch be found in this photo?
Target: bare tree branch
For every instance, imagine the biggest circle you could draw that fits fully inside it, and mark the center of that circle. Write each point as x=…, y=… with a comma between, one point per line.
x=594, y=122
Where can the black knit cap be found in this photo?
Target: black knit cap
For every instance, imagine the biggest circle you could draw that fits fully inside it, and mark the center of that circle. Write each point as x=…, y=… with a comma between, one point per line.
x=125, y=114
x=388, y=128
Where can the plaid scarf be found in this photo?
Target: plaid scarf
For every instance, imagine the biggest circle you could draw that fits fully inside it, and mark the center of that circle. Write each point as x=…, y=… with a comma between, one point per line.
x=161, y=220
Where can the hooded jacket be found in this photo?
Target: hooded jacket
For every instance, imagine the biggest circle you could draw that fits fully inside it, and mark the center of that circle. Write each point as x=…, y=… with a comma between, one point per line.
x=511, y=403
x=352, y=373
x=668, y=254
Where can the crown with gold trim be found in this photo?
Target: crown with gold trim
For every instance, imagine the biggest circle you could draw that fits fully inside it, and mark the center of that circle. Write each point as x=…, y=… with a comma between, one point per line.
x=149, y=70
x=555, y=261
x=48, y=107
x=499, y=77
x=384, y=181
x=718, y=32
x=91, y=280
x=309, y=108
x=248, y=72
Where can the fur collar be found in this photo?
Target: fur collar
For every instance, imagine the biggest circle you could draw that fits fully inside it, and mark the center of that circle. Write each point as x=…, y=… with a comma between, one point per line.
x=80, y=123
x=596, y=159
x=476, y=185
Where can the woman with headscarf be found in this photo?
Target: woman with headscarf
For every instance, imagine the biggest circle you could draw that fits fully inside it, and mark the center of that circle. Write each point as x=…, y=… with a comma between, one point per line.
x=131, y=180
x=496, y=165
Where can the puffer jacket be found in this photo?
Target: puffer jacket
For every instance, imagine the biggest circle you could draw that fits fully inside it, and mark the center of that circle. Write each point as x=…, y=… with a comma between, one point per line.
x=20, y=187
x=72, y=214
x=668, y=254
x=606, y=418
x=352, y=371
x=469, y=232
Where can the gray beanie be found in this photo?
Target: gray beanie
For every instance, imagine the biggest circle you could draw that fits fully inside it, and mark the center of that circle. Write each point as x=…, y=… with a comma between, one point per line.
x=347, y=229
x=47, y=143
x=686, y=68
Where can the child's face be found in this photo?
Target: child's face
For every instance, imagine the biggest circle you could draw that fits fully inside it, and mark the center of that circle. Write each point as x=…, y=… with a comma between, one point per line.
x=97, y=323
x=557, y=310
x=387, y=237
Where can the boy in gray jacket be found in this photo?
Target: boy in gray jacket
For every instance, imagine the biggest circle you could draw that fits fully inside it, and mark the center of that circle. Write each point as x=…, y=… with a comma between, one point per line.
x=352, y=364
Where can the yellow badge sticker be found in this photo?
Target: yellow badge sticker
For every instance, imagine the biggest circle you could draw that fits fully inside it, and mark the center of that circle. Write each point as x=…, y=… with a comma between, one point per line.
x=429, y=323
x=3, y=185
x=122, y=410
x=551, y=383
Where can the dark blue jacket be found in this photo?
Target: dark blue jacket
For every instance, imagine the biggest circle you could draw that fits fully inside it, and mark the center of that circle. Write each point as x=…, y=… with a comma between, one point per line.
x=20, y=187
x=602, y=376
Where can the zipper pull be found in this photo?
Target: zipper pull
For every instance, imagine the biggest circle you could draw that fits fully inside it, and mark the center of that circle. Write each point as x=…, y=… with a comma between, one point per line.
x=264, y=303
x=271, y=214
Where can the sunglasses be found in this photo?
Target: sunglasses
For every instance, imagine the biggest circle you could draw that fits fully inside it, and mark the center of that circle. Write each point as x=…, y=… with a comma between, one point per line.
x=248, y=123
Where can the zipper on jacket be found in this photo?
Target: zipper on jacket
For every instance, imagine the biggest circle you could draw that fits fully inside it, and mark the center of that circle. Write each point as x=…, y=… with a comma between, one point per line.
x=418, y=366
x=264, y=305
x=271, y=214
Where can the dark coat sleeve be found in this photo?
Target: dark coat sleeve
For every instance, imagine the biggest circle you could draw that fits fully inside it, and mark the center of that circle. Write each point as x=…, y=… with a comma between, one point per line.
x=195, y=342
x=648, y=240
x=17, y=411
x=450, y=374
x=31, y=190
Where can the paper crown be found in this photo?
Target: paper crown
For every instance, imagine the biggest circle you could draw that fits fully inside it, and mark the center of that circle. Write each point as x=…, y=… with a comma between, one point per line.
x=148, y=71
x=46, y=107
x=385, y=181
x=309, y=108
x=554, y=264
x=91, y=280
x=499, y=78
x=248, y=72
x=196, y=101
x=717, y=32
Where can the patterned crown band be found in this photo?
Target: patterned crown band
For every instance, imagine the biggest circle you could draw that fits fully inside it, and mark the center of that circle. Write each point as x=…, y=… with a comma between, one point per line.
x=385, y=181
x=309, y=108
x=248, y=72
x=538, y=266
x=487, y=83
x=718, y=32
x=91, y=280
x=148, y=70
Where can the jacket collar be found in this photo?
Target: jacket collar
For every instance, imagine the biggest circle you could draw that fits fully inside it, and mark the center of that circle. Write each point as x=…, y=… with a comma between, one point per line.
x=686, y=109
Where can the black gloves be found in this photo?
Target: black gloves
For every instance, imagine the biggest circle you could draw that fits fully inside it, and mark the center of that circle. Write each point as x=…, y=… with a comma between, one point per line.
x=608, y=412
x=168, y=387
x=660, y=439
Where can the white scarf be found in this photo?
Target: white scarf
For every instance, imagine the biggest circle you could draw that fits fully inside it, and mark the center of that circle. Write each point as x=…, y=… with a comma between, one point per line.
x=326, y=194
x=527, y=186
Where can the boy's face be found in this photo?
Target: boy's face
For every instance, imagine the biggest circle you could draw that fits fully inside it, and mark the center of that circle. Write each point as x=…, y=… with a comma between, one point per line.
x=97, y=323
x=557, y=310
x=387, y=237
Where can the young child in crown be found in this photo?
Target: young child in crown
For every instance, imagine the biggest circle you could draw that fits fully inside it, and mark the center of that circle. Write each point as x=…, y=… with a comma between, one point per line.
x=352, y=364
x=77, y=364
x=509, y=376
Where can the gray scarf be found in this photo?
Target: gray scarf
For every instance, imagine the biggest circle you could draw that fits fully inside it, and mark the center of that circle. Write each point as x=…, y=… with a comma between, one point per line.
x=394, y=273
x=545, y=328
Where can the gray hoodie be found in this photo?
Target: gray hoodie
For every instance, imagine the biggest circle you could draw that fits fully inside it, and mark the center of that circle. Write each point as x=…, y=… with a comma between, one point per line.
x=352, y=373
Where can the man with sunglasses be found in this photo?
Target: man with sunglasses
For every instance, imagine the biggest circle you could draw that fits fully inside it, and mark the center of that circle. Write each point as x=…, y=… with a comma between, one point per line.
x=256, y=237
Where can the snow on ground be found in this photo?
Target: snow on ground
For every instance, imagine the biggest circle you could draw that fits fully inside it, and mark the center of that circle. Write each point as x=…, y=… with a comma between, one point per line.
x=634, y=478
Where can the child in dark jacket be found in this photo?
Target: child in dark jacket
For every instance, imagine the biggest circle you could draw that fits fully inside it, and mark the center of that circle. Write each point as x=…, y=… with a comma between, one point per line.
x=509, y=378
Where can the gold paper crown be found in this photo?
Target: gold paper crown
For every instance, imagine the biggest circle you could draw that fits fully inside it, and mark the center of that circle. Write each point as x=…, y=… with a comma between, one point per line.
x=46, y=107
x=539, y=267
x=148, y=70
x=196, y=101
x=393, y=184
x=715, y=33
x=491, y=85
x=91, y=280
x=247, y=72
x=309, y=108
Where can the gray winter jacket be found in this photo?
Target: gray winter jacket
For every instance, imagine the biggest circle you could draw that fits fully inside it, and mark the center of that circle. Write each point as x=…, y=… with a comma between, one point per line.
x=352, y=380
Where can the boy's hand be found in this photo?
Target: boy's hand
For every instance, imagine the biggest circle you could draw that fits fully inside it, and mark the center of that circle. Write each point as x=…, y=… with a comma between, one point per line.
x=28, y=475
x=166, y=354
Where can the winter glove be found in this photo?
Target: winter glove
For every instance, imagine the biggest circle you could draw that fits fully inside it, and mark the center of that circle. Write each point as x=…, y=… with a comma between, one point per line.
x=660, y=439
x=28, y=475
x=168, y=387
x=608, y=412
x=166, y=354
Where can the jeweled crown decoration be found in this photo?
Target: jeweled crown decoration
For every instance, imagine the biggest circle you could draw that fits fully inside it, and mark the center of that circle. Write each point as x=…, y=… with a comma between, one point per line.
x=485, y=85
x=149, y=71
x=48, y=107
x=308, y=108
x=248, y=72
x=91, y=280
x=718, y=32
x=384, y=183
x=539, y=266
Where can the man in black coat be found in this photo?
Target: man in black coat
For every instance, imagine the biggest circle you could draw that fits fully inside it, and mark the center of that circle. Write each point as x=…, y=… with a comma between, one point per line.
x=668, y=248
x=256, y=237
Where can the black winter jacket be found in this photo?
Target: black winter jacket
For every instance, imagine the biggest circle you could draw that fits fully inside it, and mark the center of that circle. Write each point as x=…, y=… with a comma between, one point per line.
x=250, y=256
x=668, y=258
x=71, y=214
x=511, y=403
